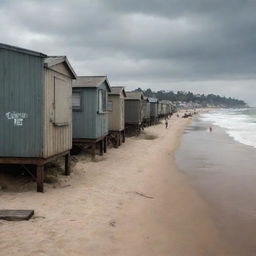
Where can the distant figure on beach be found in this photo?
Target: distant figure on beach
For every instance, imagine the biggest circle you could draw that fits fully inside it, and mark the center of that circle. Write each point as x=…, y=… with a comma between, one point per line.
x=166, y=123
x=210, y=129
x=178, y=115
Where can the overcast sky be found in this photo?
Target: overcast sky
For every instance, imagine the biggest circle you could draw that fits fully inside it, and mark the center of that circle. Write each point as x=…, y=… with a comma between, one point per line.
x=205, y=46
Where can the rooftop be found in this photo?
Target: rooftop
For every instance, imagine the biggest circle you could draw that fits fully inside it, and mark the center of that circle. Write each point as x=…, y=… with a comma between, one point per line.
x=21, y=50
x=90, y=81
x=134, y=95
x=117, y=90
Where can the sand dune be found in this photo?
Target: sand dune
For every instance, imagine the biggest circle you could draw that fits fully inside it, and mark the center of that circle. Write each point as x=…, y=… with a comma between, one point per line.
x=133, y=201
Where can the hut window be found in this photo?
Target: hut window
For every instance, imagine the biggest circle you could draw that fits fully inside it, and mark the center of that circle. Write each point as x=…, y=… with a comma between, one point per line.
x=102, y=101
x=110, y=106
x=76, y=100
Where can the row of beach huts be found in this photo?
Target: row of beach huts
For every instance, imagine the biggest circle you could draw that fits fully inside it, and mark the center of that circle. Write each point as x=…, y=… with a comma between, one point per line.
x=46, y=109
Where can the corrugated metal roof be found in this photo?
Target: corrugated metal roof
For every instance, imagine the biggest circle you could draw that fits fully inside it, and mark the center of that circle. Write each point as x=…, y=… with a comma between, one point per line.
x=117, y=90
x=152, y=100
x=55, y=60
x=134, y=95
x=21, y=50
x=90, y=81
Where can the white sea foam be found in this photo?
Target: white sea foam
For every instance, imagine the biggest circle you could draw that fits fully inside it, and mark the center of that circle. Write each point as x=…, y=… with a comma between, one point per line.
x=240, y=124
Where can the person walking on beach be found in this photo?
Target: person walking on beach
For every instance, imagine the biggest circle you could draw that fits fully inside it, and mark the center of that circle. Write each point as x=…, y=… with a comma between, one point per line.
x=166, y=123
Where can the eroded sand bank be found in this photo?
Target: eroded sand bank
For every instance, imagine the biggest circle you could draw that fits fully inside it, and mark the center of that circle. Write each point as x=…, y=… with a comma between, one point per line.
x=132, y=202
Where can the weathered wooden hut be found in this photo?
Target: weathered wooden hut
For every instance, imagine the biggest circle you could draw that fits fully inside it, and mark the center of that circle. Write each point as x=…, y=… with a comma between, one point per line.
x=159, y=108
x=116, y=114
x=134, y=110
x=90, y=115
x=170, y=108
x=146, y=111
x=35, y=108
x=164, y=108
x=153, y=110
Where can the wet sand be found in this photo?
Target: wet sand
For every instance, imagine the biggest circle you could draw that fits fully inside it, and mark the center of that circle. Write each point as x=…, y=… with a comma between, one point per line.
x=133, y=201
x=224, y=173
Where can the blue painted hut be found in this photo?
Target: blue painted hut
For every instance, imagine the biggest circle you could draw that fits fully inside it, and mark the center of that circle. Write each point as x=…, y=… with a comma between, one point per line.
x=35, y=108
x=90, y=115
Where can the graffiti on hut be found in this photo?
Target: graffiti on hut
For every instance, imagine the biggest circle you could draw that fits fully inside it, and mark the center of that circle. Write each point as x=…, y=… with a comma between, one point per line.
x=17, y=118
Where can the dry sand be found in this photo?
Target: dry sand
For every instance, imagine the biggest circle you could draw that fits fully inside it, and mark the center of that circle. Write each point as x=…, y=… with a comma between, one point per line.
x=133, y=201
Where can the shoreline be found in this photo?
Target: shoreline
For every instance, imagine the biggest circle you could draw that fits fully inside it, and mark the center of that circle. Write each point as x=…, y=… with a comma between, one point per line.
x=133, y=200
x=222, y=170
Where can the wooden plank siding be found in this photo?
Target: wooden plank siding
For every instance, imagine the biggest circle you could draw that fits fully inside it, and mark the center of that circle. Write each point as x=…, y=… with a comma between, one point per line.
x=116, y=116
x=57, y=139
x=84, y=124
x=133, y=112
x=154, y=109
x=88, y=122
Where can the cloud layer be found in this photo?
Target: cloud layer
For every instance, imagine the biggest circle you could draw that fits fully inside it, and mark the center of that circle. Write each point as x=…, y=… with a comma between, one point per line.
x=156, y=43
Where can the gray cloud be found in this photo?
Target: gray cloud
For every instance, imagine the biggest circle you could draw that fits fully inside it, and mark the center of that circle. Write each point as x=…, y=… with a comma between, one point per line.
x=144, y=43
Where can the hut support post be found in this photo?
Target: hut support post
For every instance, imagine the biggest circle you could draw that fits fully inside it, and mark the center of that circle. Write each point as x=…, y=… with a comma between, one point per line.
x=93, y=151
x=123, y=133
x=119, y=139
x=105, y=144
x=40, y=178
x=67, y=164
x=101, y=147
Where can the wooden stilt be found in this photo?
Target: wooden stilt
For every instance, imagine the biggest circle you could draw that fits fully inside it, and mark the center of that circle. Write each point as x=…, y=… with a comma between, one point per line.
x=101, y=147
x=116, y=140
x=123, y=136
x=93, y=151
x=40, y=178
x=105, y=144
x=67, y=164
x=119, y=139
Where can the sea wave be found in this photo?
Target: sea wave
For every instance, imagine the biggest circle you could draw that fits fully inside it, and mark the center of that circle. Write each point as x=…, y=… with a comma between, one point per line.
x=240, y=124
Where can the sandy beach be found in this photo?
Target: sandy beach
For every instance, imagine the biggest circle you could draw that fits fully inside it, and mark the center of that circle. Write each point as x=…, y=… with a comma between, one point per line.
x=133, y=201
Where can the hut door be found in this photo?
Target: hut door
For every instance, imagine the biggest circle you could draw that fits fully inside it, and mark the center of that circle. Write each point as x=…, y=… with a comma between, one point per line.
x=62, y=102
x=122, y=114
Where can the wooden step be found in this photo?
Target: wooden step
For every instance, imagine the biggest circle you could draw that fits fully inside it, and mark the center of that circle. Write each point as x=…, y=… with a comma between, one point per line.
x=16, y=215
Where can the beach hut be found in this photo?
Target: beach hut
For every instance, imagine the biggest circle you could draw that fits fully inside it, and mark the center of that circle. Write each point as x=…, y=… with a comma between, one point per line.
x=116, y=114
x=164, y=108
x=146, y=111
x=159, y=109
x=153, y=110
x=90, y=115
x=171, y=108
x=134, y=110
x=35, y=108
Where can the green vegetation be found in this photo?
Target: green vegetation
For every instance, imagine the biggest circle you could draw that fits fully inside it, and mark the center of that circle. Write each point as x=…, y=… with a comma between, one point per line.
x=189, y=97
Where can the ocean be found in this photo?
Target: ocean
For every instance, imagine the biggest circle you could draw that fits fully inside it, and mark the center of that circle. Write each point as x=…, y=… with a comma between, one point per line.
x=221, y=165
x=240, y=124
